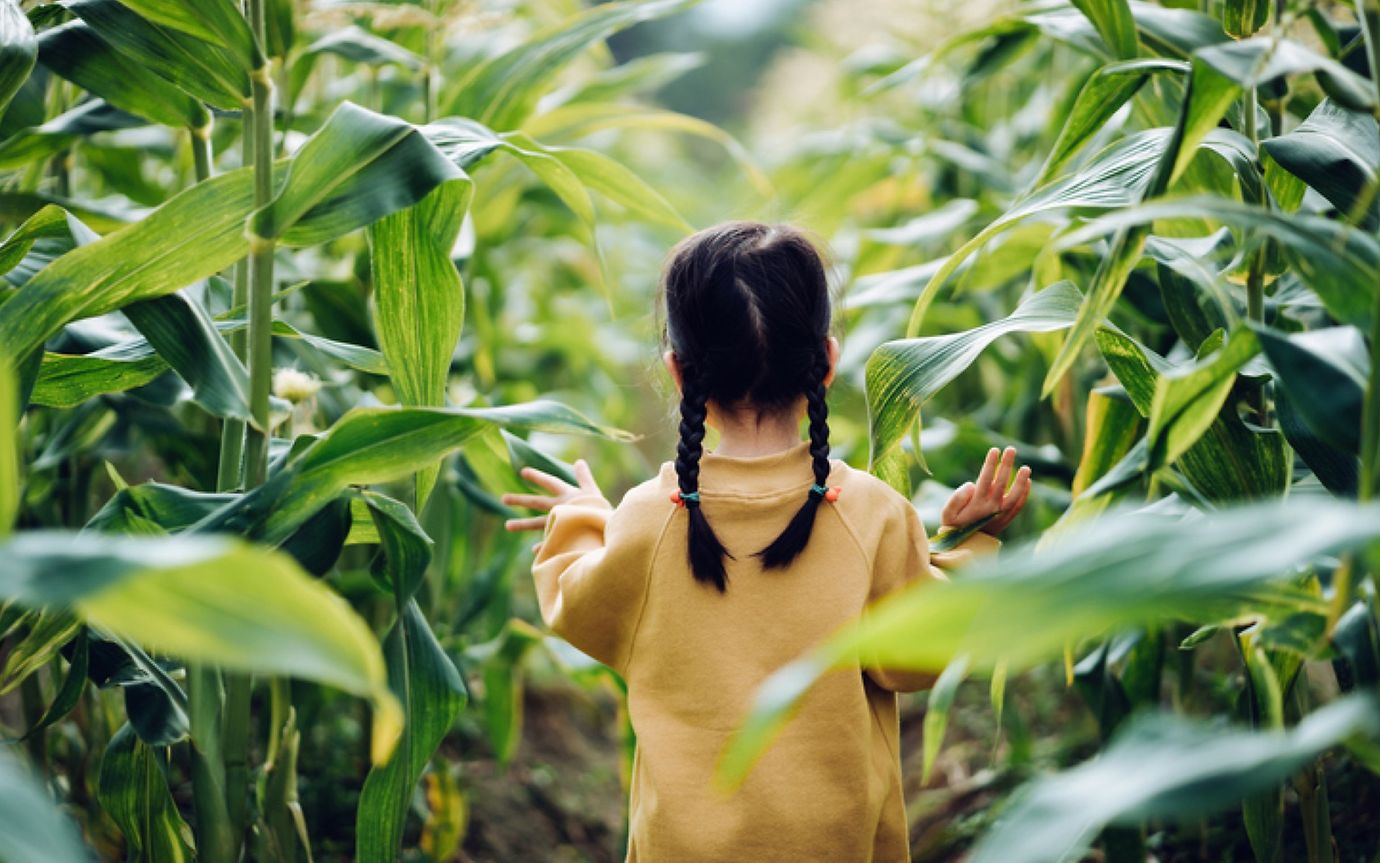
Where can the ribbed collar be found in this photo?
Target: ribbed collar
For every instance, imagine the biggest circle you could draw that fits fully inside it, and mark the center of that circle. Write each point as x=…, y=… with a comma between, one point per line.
x=785, y=470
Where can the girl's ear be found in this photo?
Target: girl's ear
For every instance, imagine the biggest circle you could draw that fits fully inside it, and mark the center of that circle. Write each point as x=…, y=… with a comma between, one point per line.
x=831, y=345
x=673, y=366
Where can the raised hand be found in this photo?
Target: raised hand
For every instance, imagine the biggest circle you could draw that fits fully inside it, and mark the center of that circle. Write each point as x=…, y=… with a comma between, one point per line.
x=972, y=501
x=561, y=492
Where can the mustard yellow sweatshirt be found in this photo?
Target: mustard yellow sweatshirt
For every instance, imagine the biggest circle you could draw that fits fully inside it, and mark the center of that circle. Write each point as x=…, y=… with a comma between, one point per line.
x=616, y=584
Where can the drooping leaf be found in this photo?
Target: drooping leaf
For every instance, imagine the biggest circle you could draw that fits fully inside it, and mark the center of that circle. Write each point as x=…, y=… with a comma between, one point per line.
x=1330, y=257
x=208, y=599
x=216, y=22
x=361, y=46
x=202, y=69
x=1335, y=151
x=1188, y=399
x=76, y=52
x=10, y=477
x=902, y=375
x=196, y=234
x=406, y=546
x=1112, y=19
x=18, y=50
x=373, y=445
x=1102, y=95
x=133, y=790
x=1123, y=570
x=1324, y=373
x=357, y=168
x=1164, y=766
x=426, y=681
x=937, y=708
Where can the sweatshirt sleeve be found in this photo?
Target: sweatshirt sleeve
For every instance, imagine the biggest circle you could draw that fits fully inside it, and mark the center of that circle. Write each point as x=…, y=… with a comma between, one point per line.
x=591, y=576
x=903, y=560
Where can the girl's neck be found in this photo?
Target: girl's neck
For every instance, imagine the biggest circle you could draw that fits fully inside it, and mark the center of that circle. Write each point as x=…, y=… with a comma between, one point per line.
x=748, y=434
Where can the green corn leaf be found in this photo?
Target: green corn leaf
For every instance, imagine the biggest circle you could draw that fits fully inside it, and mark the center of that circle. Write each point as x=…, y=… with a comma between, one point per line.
x=522, y=454
x=1113, y=21
x=619, y=184
x=1330, y=257
x=218, y=22
x=1188, y=399
x=584, y=118
x=36, y=143
x=10, y=477
x=133, y=790
x=1124, y=570
x=357, y=168
x=361, y=46
x=70, y=692
x=183, y=334
x=196, y=234
x=205, y=599
x=937, y=708
x=1242, y=18
x=47, y=632
x=18, y=50
x=406, y=546
x=1335, y=151
x=426, y=681
x=1164, y=766
x=374, y=445
x=1112, y=428
x=640, y=75
x=1324, y=373
x=502, y=659
x=1102, y=95
x=1205, y=101
x=419, y=298
x=1115, y=178
x=202, y=69
x=501, y=92
x=902, y=375
x=1250, y=62
x=33, y=829
x=1174, y=31
x=76, y=52
x=1338, y=471
x=1230, y=461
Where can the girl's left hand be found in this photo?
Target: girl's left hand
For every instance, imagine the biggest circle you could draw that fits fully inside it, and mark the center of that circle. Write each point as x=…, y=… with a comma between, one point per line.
x=561, y=492
x=989, y=495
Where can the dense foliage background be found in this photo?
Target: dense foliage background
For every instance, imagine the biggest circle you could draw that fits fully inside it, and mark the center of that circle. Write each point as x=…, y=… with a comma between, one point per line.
x=291, y=290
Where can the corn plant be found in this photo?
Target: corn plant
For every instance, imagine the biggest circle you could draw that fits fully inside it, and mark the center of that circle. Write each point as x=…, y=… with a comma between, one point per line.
x=240, y=240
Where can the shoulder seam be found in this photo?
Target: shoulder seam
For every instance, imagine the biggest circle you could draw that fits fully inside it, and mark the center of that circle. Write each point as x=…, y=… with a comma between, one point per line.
x=857, y=543
x=646, y=588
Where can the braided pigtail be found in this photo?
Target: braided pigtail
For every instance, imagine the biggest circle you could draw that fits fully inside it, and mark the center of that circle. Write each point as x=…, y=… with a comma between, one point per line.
x=786, y=547
x=705, y=551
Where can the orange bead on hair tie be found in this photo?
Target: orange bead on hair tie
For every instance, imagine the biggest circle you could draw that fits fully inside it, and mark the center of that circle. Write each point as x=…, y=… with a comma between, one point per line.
x=833, y=494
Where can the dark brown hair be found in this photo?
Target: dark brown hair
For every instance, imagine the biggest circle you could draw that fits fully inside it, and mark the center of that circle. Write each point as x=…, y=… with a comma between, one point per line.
x=747, y=316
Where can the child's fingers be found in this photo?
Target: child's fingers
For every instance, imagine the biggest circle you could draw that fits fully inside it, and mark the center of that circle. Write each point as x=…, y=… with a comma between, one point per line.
x=553, y=484
x=585, y=477
x=989, y=467
x=520, y=524
x=957, y=501
x=1008, y=461
x=539, y=502
x=1020, y=490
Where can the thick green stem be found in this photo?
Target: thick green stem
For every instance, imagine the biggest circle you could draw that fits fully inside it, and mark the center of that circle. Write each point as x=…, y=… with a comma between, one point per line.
x=214, y=840
x=260, y=359
x=230, y=470
x=260, y=273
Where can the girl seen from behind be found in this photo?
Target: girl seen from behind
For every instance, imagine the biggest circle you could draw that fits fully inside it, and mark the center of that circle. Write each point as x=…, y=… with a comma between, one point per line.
x=729, y=564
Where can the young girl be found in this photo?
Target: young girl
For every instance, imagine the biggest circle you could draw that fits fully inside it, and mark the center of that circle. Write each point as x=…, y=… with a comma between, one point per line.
x=731, y=563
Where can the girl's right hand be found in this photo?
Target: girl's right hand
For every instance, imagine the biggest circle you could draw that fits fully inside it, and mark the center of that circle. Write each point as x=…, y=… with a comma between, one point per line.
x=989, y=495
x=561, y=492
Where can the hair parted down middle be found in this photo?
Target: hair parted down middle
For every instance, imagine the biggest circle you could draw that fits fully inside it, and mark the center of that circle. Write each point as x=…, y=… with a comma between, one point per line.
x=747, y=316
